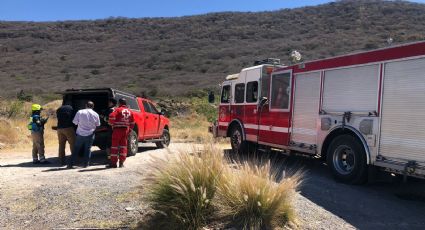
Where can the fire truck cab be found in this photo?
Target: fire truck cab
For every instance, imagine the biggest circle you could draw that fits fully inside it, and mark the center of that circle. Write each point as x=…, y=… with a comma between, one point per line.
x=354, y=111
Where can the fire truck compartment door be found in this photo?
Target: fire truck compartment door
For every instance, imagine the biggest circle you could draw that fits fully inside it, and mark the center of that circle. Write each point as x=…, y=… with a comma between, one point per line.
x=353, y=89
x=306, y=108
x=403, y=111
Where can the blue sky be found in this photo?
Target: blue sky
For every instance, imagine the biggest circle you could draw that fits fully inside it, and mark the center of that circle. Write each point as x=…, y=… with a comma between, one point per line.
x=53, y=10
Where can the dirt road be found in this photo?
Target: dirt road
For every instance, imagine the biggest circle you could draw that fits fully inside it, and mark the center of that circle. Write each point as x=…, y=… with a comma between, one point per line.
x=45, y=197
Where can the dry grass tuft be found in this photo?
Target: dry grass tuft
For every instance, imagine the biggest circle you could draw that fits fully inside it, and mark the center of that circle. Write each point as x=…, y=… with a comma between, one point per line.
x=192, y=129
x=183, y=185
x=197, y=187
x=257, y=196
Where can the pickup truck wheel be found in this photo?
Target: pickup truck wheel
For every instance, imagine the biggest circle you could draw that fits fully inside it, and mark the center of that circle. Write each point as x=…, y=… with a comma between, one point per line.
x=166, y=138
x=346, y=158
x=133, y=143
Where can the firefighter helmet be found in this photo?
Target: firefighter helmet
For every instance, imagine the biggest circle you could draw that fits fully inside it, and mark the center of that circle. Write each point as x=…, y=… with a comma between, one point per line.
x=36, y=107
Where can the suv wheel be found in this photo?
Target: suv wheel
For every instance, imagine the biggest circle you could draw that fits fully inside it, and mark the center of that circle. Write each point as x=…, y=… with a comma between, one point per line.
x=166, y=138
x=133, y=143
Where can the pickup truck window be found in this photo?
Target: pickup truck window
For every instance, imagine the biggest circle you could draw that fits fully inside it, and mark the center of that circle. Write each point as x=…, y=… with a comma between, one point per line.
x=153, y=108
x=147, y=107
x=131, y=102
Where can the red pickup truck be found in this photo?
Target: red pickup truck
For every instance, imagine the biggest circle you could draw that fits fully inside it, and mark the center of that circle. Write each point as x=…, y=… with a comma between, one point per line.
x=151, y=124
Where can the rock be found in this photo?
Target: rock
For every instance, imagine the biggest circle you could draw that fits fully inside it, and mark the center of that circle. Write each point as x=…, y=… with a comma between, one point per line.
x=129, y=209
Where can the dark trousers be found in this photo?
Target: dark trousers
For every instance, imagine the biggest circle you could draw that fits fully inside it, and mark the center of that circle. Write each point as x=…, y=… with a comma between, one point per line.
x=85, y=143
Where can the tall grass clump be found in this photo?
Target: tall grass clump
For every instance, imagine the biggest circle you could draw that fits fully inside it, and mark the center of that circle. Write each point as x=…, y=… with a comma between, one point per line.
x=184, y=184
x=256, y=196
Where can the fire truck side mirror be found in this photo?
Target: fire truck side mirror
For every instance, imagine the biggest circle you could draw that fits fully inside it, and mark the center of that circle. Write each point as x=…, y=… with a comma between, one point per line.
x=211, y=97
x=264, y=101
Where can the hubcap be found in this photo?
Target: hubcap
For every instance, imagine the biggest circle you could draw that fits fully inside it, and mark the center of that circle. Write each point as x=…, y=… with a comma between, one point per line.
x=166, y=139
x=133, y=143
x=344, y=159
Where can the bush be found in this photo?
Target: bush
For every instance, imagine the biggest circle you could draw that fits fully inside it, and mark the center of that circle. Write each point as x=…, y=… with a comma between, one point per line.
x=184, y=185
x=254, y=197
x=14, y=109
x=22, y=96
x=95, y=72
x=195, y=188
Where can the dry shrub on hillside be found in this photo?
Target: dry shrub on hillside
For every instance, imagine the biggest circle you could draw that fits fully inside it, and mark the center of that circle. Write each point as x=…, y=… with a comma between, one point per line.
x=191, y=128
x=14, y=133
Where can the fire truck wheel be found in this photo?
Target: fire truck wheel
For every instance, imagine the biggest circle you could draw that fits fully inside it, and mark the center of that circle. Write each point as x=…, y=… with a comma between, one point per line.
x=346, y=158
x=165, y=139
x=239, y=146
x=133, y=144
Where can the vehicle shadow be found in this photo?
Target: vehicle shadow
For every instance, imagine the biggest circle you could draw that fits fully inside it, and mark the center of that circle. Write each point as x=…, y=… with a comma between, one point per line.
x=98, y=157
x=387, y=203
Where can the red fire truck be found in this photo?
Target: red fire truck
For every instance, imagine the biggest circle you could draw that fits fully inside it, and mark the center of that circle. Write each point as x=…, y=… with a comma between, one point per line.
x=354, y=111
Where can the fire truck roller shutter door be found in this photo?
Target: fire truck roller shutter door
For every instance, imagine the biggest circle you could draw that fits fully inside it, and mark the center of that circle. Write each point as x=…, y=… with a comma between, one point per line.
x=306, y=108
x=353, y=89
x=403, y=111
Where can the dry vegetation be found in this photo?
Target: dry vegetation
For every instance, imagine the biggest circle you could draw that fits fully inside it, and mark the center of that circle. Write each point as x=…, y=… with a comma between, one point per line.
x=14, y=119
x=190, y=53
x=199, y=187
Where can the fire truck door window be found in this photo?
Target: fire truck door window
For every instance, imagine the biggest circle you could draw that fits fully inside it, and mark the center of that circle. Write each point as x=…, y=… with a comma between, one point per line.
x=252, y=91
x=280, y=91
x=265, y=85
x=225, y=94
x=240, y=93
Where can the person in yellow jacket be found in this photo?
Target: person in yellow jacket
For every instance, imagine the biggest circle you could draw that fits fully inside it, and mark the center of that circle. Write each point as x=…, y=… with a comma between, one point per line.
x=36, y=125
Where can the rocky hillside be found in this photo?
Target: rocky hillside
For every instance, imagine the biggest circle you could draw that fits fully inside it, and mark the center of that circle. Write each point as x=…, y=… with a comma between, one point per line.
x=177, y=56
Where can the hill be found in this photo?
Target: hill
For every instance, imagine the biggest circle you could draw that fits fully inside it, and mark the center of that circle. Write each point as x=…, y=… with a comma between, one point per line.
x=176, y=56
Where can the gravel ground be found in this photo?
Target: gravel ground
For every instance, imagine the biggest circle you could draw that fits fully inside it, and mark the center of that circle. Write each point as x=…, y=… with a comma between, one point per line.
x=46, y=197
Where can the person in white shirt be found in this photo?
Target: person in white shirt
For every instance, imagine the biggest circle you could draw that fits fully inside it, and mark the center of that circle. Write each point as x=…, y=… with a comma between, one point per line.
x=86, y=120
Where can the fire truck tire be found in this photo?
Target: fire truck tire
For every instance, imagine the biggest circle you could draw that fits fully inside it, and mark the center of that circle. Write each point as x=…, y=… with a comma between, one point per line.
x=239, y=145
x=165, y=139
x=133, y=144
x=346, y=158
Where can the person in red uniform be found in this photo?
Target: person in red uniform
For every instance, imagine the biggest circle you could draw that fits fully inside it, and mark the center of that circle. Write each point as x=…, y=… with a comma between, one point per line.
x=122, y=122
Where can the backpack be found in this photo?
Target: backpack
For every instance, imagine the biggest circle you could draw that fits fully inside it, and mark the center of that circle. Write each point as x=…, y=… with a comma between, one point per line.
x=32, y=125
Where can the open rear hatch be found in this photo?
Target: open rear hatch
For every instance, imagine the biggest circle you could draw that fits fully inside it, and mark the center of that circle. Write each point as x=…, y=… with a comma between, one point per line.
x=79, y=98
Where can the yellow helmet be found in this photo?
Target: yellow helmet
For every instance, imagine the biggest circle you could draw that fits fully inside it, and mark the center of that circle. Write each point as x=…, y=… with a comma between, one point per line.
x=36, y=107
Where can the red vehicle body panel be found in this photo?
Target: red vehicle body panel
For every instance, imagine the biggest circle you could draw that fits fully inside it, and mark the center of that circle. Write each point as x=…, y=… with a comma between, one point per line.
x=274, y=127
x=150, y=125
